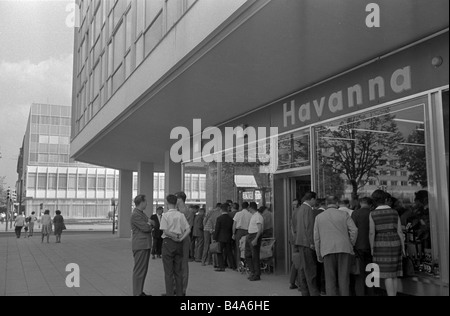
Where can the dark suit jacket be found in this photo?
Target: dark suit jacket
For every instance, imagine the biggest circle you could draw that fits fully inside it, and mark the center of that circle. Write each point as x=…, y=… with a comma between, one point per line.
x=361, y=219
x=224, y=228
x=142, y=231
x=156, y=233
x=198, y=225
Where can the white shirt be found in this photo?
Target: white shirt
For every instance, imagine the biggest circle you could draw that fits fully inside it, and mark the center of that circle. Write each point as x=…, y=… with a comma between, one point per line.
x=345, y=209
x=173, y=221
x=242, y=219
x=254, y=221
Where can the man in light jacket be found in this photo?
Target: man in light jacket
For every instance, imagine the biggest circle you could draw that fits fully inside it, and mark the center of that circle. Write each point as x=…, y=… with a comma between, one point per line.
x=335, y=235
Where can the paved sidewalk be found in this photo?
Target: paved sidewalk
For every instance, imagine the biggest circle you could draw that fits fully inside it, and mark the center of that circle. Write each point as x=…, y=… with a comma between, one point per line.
x=29, y=268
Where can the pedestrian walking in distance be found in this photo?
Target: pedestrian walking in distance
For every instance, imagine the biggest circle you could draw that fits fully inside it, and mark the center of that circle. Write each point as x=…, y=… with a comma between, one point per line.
x=58, y=222
x=46, y=223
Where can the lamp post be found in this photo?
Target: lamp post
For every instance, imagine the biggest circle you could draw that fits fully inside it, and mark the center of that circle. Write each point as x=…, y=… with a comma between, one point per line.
x=113, y=204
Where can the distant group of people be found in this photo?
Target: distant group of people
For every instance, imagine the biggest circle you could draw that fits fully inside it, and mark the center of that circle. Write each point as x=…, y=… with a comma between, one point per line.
x=329, y=238
x=28, y=224
x=184, y=233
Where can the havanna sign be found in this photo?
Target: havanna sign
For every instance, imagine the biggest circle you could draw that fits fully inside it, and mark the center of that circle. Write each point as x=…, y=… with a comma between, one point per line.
x=397, y=76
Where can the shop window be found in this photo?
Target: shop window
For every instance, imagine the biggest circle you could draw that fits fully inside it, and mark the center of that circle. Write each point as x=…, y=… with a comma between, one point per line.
x=293, y=151
x=92, y=183
x=358, y=148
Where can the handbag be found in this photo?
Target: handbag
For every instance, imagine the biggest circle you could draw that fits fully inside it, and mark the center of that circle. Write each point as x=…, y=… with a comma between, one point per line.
x=215, y=247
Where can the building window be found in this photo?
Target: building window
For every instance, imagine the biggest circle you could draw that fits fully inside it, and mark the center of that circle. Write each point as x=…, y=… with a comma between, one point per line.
x=42, y=182
x=404, y=183
x=52, y=181
x=82, y=182
x=31, y=184
x=153, y=35
x=62, y=181
x=293, y=151
x=101, y=184
x=404, y=173
x=72, y=185
x=92, y=183
x=110, y=183
x=394, y=183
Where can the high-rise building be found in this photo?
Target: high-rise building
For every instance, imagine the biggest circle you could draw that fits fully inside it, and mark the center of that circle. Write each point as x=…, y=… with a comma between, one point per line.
x=350, y=86
x=51, y=180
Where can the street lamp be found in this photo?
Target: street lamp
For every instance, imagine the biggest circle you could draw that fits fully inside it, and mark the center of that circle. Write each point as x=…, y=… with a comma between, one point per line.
x=113, y=204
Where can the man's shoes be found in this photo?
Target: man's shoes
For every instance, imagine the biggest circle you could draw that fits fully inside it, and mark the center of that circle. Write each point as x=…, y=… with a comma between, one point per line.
x=153, y=257
x=159, y=256
x=255, y=278
x=293, y=287
x=250, y=277
x=219, y=270
x=143, y=294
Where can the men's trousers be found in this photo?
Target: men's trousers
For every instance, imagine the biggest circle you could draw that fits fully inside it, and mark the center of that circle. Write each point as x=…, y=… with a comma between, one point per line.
x=141, y=260
x=172, y=256
x=337, y=274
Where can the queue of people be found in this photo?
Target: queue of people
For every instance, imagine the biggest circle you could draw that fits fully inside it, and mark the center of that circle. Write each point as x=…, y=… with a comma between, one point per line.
x=183, y=234
x=332, y=244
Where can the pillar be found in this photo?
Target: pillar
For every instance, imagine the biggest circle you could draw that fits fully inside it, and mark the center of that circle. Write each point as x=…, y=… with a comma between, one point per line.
x=125, y=202
x=145, y=184
x=173, y=178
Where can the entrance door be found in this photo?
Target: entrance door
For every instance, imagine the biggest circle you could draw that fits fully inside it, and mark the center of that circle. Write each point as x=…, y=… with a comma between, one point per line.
x=287, y=187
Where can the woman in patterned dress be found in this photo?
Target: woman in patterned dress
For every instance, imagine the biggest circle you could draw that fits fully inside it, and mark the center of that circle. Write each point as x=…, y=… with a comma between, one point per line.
x=386, y=241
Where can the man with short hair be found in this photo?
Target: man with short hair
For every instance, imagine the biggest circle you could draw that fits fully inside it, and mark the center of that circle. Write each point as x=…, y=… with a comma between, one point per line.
x=19, y=224
x=209, y=223
x=33, y=219
x=294, y=271
x=175, y=229
x=240, y=228
x=303, y=221
x=141, y=244
x=335, y=235
x=253, y=242
x=157, y=233
x=181, y=206
x=198, y=234
x=222, y=234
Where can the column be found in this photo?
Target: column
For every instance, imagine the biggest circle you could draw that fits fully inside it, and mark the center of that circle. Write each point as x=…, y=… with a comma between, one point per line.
x=125, y=202
x=173, y=177
x=145, y=184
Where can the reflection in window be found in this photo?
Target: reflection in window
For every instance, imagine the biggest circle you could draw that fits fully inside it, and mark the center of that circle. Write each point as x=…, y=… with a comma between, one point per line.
x=358, y=149
x=293, y=151
x=445, y=117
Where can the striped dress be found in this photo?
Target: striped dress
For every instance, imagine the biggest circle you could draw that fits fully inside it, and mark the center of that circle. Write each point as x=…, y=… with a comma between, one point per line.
x=387, y=249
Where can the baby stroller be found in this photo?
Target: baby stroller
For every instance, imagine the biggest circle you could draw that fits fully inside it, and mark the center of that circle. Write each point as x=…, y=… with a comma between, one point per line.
x=265, y=255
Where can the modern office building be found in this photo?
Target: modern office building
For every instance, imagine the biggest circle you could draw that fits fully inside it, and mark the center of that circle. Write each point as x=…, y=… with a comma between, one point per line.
x=357, y=106
x=51, y=180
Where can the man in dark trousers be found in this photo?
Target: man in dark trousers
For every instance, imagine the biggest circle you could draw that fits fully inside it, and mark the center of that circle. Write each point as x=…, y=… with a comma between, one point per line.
x=362, y=246
x=176, y=229
x=223, y=233
x=141, y=244
x=157, y=233
x=303, y=224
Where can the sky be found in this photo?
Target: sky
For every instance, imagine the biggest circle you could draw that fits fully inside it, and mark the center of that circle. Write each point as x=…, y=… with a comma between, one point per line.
x=36, y=56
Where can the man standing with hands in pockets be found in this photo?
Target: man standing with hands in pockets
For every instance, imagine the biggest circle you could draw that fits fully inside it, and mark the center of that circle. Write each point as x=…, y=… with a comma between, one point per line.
x=141, y=244
x=176, y=229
